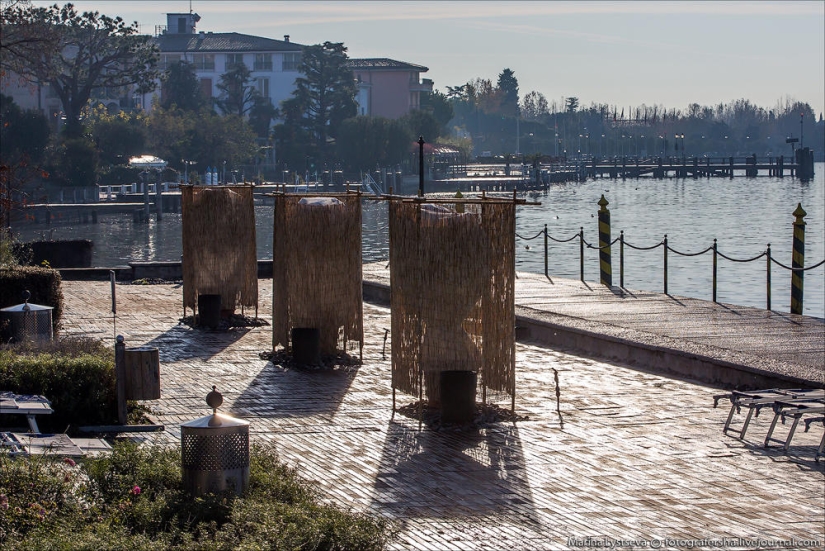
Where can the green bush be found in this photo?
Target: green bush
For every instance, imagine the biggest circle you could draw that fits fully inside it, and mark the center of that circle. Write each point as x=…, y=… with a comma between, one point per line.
x=42, y=283
x=134, y=499
x=76, y=375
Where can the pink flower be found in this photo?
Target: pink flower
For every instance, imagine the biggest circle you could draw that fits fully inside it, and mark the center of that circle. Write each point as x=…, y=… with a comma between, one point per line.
x=136, y=490
x=69, y=461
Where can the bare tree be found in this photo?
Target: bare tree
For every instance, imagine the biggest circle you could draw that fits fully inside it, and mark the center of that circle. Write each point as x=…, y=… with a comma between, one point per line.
x=79, y=54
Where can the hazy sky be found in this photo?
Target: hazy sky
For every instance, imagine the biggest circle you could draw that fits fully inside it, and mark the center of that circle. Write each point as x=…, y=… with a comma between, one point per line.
x=622, y=53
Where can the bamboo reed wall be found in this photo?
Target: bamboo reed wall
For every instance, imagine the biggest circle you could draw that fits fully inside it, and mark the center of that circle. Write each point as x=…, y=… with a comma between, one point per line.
x=317, y=277
x=452, y=277
x=219, y=249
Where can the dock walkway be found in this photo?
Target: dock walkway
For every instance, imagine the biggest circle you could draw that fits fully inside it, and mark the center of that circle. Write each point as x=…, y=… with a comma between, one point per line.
x=711, y=342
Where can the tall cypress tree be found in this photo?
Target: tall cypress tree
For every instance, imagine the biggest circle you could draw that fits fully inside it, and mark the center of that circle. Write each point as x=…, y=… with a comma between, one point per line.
x=324, y=95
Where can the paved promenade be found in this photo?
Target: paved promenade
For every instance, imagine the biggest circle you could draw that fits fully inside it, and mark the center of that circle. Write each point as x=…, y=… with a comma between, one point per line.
x=632, y=455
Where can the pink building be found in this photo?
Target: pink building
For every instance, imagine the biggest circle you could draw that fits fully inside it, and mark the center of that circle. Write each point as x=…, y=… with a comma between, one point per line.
x=388, y=88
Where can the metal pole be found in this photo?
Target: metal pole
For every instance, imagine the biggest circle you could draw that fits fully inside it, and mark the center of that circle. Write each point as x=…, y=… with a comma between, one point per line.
x=581, y=252
x=665, y=274
x=120, y=378
x=798, y=260
x=621, y=259
x=546, y=270
x=714, y=269
x=421, y=143
x=768, y=301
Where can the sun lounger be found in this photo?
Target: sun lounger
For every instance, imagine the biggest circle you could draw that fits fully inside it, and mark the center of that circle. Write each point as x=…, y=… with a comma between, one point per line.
x=795, y=409
x=25, y=404
x=808, y=422
x=758, y=399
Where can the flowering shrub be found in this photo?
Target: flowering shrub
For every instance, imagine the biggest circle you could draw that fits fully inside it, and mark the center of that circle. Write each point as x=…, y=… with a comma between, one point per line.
x=133, y=498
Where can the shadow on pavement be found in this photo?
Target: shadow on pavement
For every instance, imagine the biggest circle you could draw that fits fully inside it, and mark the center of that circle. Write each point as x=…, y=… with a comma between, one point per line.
x=448, y=474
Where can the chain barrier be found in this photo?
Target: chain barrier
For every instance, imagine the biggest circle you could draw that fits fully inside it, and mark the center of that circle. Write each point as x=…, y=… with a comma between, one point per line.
x=713, y=249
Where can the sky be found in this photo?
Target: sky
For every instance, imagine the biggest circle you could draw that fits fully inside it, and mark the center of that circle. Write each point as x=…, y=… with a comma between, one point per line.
x=616, y=53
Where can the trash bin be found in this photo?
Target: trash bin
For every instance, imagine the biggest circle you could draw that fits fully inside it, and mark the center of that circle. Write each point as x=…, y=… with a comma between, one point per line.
x=306, y=345
x=215, y=452
x=209, y=311
x=458, y=396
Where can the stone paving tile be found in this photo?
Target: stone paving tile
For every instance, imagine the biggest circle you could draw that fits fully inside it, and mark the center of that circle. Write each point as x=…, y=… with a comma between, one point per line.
x=631, y=455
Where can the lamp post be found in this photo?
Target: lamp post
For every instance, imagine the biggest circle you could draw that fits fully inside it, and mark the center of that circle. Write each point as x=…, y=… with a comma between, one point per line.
x=421, y=143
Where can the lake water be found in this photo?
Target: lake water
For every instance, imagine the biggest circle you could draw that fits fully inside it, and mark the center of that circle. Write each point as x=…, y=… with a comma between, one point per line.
x=743, y=214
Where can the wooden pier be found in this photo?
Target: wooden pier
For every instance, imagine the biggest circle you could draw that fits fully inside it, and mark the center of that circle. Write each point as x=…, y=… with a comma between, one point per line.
x=691, y=167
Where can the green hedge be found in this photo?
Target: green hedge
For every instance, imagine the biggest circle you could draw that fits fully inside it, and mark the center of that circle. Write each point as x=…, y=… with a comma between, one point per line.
x=79, y=385
x=42, y=283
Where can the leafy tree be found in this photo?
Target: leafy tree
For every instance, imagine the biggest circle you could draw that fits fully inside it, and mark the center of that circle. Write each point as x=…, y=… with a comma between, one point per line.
x=323, y=97
x=119, y=137
x=534, y=106
x=237, y=92
x=365, y=142
x=571, y=104
x=508, y=86
x=421, y=123
x=88, y=52
x=203, y=137
x=180, y=87
x=24, y=135
x=75, y=162
x=261, y=115
x=439, y=106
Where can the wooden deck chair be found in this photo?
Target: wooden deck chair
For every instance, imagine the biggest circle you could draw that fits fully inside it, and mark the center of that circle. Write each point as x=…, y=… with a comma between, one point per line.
x=758, y=399
x=795, y=409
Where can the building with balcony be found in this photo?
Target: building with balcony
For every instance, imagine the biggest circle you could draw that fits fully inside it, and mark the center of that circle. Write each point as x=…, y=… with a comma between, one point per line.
x=388, y=88
x=273, y=63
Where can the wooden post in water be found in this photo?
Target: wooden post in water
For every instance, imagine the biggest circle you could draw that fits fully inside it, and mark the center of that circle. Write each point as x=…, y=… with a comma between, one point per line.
x=798, y=260
x=605, y=269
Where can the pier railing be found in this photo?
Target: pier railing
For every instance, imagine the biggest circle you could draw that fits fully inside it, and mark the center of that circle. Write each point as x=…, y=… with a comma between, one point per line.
x=797, y=269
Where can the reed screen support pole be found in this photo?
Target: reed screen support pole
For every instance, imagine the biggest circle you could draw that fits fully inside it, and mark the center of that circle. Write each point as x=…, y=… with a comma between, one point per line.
x=798, y=260
x=605, y=268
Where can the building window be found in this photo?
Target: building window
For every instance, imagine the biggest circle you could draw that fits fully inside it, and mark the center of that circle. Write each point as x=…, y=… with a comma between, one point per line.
x=166, y=60
x=233, y=59
x=262, y=85
x=291, y=62
x=203, y=62
x=206, y=87
x=263, y=62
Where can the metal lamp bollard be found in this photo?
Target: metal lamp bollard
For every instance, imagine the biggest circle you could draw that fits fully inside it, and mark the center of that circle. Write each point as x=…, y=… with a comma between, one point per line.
x=27, y=321
x=215, y=452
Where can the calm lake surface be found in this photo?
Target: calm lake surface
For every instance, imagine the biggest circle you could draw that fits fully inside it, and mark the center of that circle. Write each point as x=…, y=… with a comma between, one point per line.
x=743, y=214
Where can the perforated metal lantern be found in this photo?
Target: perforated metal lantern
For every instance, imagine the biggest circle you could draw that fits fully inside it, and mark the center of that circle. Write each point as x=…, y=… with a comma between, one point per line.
x=215, y=452
x=26, y=321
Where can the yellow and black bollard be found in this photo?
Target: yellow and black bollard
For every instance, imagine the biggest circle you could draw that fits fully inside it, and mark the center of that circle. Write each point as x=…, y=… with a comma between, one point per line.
x=605, y=270
x=798, y=260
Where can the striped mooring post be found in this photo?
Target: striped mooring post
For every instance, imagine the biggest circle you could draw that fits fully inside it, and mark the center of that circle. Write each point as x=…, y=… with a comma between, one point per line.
x=798, y=260
x=605, y=271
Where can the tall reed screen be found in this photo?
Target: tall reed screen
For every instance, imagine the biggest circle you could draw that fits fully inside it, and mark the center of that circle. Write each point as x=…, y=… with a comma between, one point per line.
x=317, y=269
x=452, y=278
x=219, y=250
